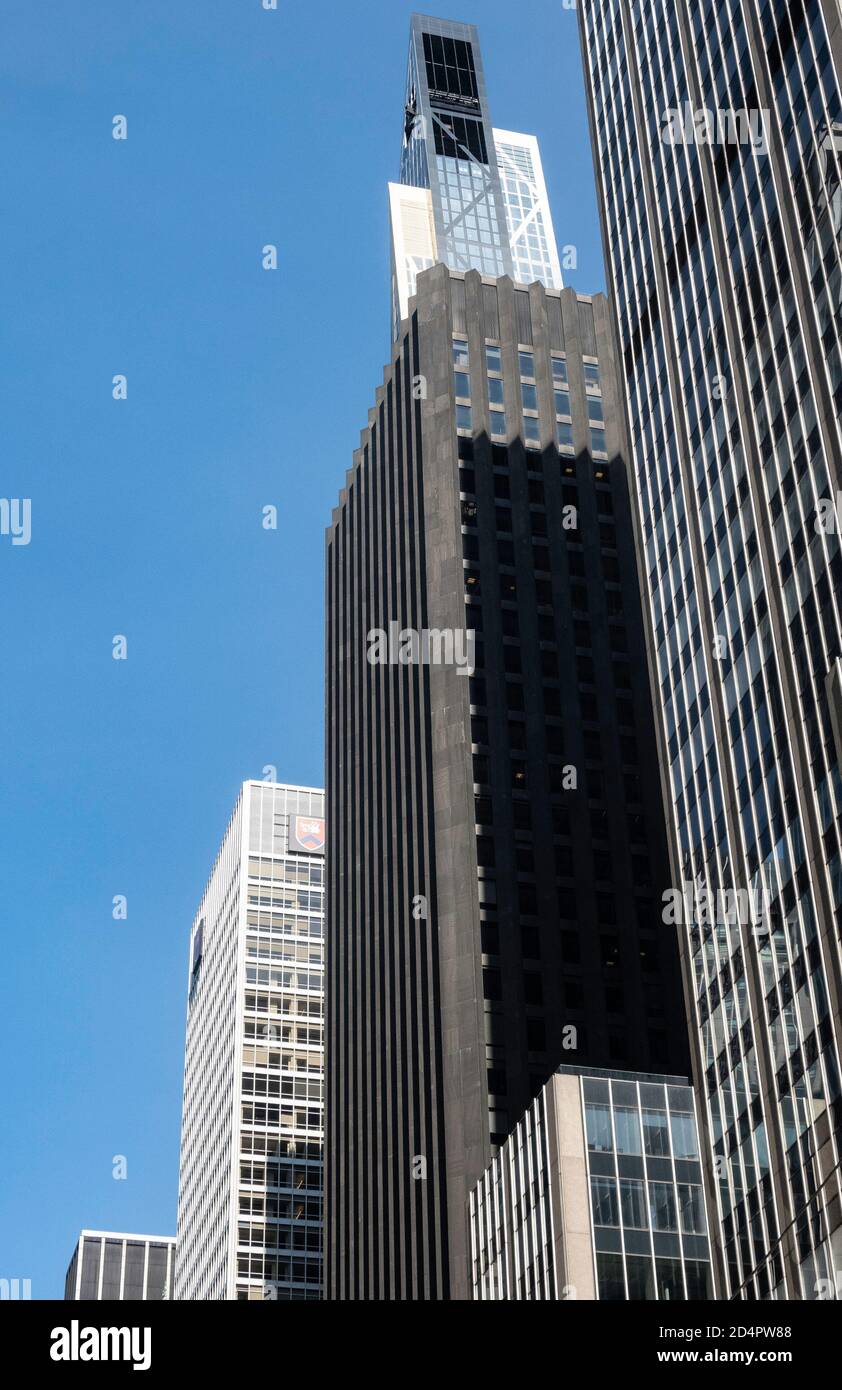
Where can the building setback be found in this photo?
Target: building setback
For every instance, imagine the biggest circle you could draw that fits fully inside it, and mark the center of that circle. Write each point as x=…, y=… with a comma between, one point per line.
x=250, y=1182
x=717, y=134
x=497, y=845
x=596, y=1194
x=111, y=1267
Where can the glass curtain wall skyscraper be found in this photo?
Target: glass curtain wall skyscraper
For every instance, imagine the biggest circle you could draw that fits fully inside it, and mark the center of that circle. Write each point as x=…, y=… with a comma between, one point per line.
x=717, y=141
x=250, y=1184
x=469, y=196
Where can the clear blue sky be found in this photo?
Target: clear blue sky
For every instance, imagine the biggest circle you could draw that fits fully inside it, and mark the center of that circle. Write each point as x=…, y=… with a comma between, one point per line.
x=245, y=388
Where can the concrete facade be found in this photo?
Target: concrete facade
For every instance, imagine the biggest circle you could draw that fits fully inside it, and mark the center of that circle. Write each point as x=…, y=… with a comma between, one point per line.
x=488, y=920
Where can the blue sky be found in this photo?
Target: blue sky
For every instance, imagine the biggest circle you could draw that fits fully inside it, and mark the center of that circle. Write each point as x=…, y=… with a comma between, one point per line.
x=246, y=388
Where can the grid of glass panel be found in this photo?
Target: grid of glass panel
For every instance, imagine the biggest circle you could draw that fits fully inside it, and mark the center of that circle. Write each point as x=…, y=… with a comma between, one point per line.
x=647, y=1200
x=529, y=221
x=739, y=812
x=279, y=1238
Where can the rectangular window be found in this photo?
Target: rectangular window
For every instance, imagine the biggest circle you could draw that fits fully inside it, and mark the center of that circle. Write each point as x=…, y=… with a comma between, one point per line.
x=641, y=1276
x=495, y=391
x=598, y=442
x=604, y=1202
x=464, y=417
x=460, y=352
x=692, y=1207
x=564, y=435
x=656, y=1134
x=531, y=429
x=627, y=1126
x=562, y=403
x=560, y=372
x=670, y=1282
x=498, y=424
x=633, y=1203
x=596, y=414
x=598, y=1119
x=527, y=364
x=592, y=382
x=462, y=385
x=612, y=1285
x=529, y=397
x=684, y=1136
x=493, y=358
x=662, y=1206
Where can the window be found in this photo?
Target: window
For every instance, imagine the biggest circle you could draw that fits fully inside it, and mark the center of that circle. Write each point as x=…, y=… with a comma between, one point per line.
x=529, y=397
x=495, y=391
x=692, y=1206
x=560, y=372
x=670, y=1282
x=633, y=1203
x=662, y=1206
x=574, y=997
x=533, y=991
x=536, y=1035
x=564, y=435
x=531, y=429
x=698, y=1280
x=562, y=402
x=627, y=1125
x=457, y=134
x=655, y=1134
x=610, y=953
x=570, y=944
x=462, y=384
x=492, y=987
x=684, y=1136
x=596, y=414
x=464, y=417
x=498, y=424
x=493, y=359
x=592, y=382
x=641, y=1276
x=598, y=1121
x=460, y=352
x=527, y=364
x=612, y=1285
x=604, y=1202
x=598, y=442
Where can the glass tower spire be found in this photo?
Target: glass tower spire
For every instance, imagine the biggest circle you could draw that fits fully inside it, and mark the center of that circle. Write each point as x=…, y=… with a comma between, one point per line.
x=469, y=196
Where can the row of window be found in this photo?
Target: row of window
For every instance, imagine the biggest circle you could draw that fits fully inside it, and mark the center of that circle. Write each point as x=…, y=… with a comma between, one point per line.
x=526, y=363
x=529, y=398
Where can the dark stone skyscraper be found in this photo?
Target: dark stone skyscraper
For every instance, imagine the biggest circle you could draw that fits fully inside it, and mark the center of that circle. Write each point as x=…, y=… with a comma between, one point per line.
x=497, y=852
x=519, y=802
x=717, y=131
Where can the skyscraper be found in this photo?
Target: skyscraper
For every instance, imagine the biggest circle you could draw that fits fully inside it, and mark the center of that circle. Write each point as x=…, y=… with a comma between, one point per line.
x=497, y=851
x=250, y=1185
x=469, y=196
x=717, y=142
x=111, y=1267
